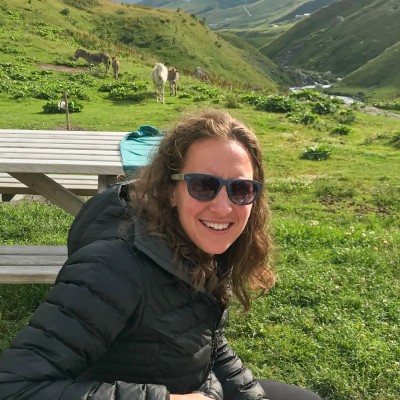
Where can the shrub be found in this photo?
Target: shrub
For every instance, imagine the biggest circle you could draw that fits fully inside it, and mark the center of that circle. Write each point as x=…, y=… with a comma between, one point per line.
x=394, y=105
x=324, y=107
x=275, y=103
x=308, y=94
x=395, y=141
x=346, y=116
x=55, y=107
x=318, y=152
x=253, y=98
x=341, y=130
x=305, y=118
x=232, y=101
x=81, y=4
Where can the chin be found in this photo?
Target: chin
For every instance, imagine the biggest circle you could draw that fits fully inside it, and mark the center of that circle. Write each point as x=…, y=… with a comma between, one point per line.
x=212, y=250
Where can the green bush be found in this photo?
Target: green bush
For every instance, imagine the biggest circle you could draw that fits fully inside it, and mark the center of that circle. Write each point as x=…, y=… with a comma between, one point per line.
x=308, y=94
x=55, y=107
x=305, y=117
x=341, y=130
x=395, y=141
x=278, y=104
x=65, y=11
x=324, y=107
x=318, y=152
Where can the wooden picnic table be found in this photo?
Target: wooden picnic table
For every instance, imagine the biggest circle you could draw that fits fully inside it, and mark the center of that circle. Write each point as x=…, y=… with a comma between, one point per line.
x=31, y=155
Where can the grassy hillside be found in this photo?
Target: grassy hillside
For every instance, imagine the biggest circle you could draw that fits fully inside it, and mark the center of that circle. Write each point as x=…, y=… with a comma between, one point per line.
x=339, y=38
x=380, y=71
x=53, y=29
x=332, y=321
x=234, y=14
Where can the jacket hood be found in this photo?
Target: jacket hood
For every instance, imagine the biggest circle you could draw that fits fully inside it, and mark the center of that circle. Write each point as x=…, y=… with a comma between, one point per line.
x=105, y=216
x=99, y=219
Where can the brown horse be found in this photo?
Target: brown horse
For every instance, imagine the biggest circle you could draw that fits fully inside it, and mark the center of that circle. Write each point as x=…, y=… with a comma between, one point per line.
x=115, y=67
x=94, y=58
x=173, y=77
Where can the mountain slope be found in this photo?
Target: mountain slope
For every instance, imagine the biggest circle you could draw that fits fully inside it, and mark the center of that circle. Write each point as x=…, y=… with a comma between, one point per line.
x=52, y=30
x=339, y=38
x=233, y=14
x=378, y=72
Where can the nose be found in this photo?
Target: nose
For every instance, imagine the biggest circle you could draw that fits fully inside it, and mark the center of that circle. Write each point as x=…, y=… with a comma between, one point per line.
x=221, y=204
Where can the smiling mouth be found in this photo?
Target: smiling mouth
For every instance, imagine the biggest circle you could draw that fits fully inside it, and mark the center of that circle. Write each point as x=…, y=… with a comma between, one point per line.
x=215, y=226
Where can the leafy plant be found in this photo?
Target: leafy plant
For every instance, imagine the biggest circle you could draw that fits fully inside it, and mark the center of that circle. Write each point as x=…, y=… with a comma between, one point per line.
x=232, y=101
x=54, y=107
x=324, y=107
x=305, y=117
x=395, y=140
x=276, y=103
x=341, y=130
x=317, y=152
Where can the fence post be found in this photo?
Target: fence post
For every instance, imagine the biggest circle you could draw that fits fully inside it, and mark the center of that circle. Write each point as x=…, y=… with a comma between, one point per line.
x=66, y=109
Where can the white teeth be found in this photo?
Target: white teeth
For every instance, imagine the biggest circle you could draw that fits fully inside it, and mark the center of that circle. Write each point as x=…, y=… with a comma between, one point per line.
x=218, y=227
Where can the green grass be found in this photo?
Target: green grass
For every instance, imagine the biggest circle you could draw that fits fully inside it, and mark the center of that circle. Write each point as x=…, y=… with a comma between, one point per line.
x=331, y=323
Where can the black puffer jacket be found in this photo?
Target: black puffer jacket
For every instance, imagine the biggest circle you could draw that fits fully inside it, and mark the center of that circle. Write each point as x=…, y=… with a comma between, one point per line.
x=122, y=322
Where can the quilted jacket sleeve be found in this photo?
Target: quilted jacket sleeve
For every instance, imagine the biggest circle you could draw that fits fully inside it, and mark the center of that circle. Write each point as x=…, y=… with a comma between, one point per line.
x=82, y=315
x=237, y=381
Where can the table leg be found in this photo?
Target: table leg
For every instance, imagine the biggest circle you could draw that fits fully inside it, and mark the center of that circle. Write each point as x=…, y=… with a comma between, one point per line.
x=105, y=181
x=51, y=190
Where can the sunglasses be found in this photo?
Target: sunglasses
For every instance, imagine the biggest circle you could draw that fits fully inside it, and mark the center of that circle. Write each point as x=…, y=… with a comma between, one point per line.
x=206, y=187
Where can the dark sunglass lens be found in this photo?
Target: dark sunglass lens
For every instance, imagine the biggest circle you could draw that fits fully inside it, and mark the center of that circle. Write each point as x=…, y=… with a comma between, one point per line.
x=243, y=192
x=203, y=187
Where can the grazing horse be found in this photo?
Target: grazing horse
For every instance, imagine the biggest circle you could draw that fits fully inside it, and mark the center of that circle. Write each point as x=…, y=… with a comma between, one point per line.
x=94, y=58
x=201, y=74
x=115, y=66
x=159, y=75
x=173, y=78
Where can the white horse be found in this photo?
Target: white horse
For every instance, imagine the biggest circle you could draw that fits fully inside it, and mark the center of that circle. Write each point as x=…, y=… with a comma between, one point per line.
x=159, y=75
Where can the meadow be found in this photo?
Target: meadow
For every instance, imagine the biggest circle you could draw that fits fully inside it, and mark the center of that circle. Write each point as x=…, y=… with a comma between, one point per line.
x=331, y=323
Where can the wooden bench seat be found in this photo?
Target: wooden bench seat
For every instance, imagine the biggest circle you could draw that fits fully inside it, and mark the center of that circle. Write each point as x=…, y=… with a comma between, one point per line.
x=81, y=185
x=30, y=263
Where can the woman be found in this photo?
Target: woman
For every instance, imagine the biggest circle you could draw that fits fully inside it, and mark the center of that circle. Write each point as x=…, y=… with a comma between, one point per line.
x=138, y=309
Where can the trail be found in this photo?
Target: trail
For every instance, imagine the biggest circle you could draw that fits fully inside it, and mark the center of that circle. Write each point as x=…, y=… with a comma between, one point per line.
x=247, y=11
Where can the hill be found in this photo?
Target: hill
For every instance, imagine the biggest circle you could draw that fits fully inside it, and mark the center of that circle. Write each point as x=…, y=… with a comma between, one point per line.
x=342, y=38
x=235, y=14
x=52, y=30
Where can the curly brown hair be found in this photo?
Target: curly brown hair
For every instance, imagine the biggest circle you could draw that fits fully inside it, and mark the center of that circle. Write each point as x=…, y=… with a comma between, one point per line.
x=245, y=265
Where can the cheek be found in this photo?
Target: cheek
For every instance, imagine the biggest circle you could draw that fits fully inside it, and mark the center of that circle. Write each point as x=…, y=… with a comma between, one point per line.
x=244, y=213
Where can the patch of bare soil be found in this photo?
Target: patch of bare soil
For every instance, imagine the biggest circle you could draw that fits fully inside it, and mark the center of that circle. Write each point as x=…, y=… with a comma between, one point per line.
x=63, y=68
x=377, y=111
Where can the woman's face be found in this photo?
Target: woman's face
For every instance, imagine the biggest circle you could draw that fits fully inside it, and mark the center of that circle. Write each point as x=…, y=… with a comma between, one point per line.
x=213, y=225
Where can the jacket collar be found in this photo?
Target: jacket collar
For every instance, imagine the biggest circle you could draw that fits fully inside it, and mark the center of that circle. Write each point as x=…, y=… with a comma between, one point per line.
x=159, y=251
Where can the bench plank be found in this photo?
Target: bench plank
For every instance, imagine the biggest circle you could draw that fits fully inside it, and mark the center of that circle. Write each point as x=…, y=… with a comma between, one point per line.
x=30, y=264
x=82, y=185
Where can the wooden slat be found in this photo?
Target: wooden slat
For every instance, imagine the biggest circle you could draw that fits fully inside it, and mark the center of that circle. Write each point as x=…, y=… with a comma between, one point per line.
x=82, y=185
x=30, y=264
x=10, y=249
x=59, y=156
x=52, y=190
x=62, y=167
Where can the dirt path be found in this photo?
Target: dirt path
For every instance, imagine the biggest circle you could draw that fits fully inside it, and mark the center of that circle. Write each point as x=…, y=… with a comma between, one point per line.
x=377, y=111
x=63, y=68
